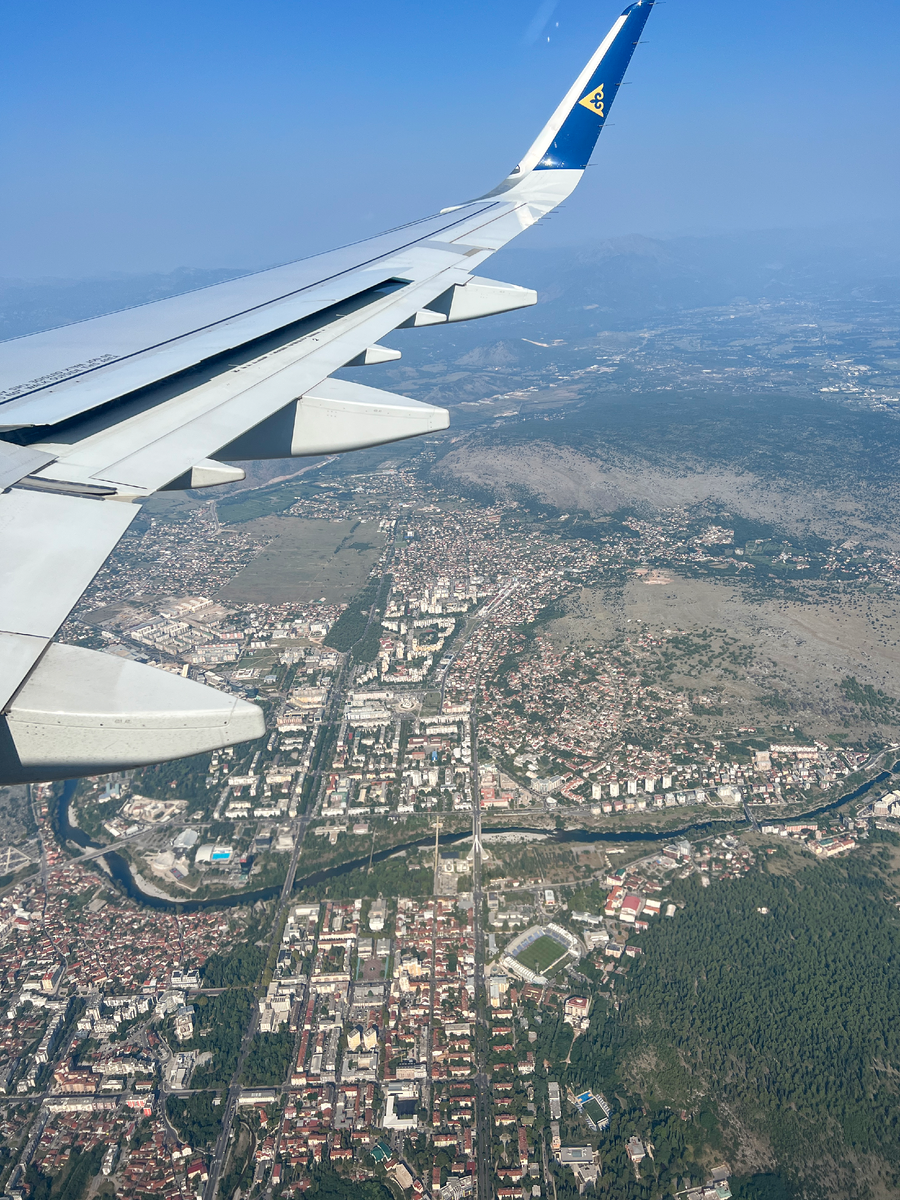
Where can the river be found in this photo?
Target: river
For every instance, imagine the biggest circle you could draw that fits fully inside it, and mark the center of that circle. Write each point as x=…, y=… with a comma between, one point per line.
x=121, y=872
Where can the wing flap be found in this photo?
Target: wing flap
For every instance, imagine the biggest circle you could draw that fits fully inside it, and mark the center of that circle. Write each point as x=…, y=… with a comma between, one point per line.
x=85, y=713
x=156, y=445
x=18, y=461
x=19, y=653
x=334, y=417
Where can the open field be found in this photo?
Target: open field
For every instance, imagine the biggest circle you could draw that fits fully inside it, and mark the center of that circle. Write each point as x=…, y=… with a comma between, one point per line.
x=796, y=653
x=307, y=560
x=541, y=954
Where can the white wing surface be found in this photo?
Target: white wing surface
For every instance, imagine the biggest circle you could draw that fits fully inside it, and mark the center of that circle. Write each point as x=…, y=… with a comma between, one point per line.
x=98, y=415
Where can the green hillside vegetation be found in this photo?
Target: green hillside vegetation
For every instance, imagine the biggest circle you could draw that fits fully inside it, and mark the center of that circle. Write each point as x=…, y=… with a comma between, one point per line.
x=683, y=1147
x=768, y=434
x=790, y=1020
x=770, y=1041
x=873, y=701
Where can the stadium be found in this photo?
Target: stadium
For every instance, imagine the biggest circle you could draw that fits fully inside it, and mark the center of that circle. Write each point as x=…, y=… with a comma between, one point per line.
x=537, y=953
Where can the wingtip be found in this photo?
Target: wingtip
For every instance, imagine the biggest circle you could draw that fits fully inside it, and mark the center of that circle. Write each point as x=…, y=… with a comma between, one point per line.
x=567, y=140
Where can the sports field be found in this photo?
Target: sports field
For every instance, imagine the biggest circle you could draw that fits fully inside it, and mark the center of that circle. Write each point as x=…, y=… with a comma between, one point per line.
x=541, y=954
x=594, y=1111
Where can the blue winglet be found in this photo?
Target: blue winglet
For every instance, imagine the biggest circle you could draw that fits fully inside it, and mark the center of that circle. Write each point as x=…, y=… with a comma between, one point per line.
x=573, y=145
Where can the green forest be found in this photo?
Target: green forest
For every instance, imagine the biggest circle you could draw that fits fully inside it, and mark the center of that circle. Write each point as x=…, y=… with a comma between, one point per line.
x=240, y=966
x=197, y=1120
x=219, y=1027
x=183, y=779
x=268, y=1060
x=785, y=1023
x=352, y=630
x=329, y=1185
x=72, y=1182
x=873, y=701
x=769, y=1040
x=393, y=877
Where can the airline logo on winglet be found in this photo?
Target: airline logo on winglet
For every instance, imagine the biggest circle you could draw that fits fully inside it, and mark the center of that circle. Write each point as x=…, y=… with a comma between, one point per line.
x=594, y=101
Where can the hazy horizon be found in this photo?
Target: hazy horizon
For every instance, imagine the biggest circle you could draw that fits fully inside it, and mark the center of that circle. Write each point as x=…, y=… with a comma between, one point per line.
x=877, y=236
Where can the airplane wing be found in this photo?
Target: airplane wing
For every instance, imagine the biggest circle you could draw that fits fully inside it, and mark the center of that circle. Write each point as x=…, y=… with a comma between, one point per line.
x=96, y=416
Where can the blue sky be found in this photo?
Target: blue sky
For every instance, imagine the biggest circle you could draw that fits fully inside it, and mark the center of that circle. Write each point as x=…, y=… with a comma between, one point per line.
x=149, y=136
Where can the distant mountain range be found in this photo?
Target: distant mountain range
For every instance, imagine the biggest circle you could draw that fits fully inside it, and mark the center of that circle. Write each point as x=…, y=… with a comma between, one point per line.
x=637, y=278
x=627, y=279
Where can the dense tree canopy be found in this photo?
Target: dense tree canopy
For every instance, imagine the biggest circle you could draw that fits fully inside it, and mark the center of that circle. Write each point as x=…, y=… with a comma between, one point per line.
x=790, y=1017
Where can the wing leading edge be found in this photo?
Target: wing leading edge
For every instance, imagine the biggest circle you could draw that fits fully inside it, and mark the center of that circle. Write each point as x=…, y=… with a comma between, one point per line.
x=170, y=393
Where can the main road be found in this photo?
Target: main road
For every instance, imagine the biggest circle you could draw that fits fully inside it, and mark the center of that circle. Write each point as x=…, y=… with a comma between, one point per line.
x=483, y=1156
x=329, y=718
x=483, y=1152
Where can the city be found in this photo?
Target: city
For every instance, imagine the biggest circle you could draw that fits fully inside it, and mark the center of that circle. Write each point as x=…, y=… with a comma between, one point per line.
x=389, y=939
x=450, y=730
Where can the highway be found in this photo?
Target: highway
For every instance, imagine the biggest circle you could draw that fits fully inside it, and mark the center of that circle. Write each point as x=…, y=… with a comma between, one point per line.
x=751, y=820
